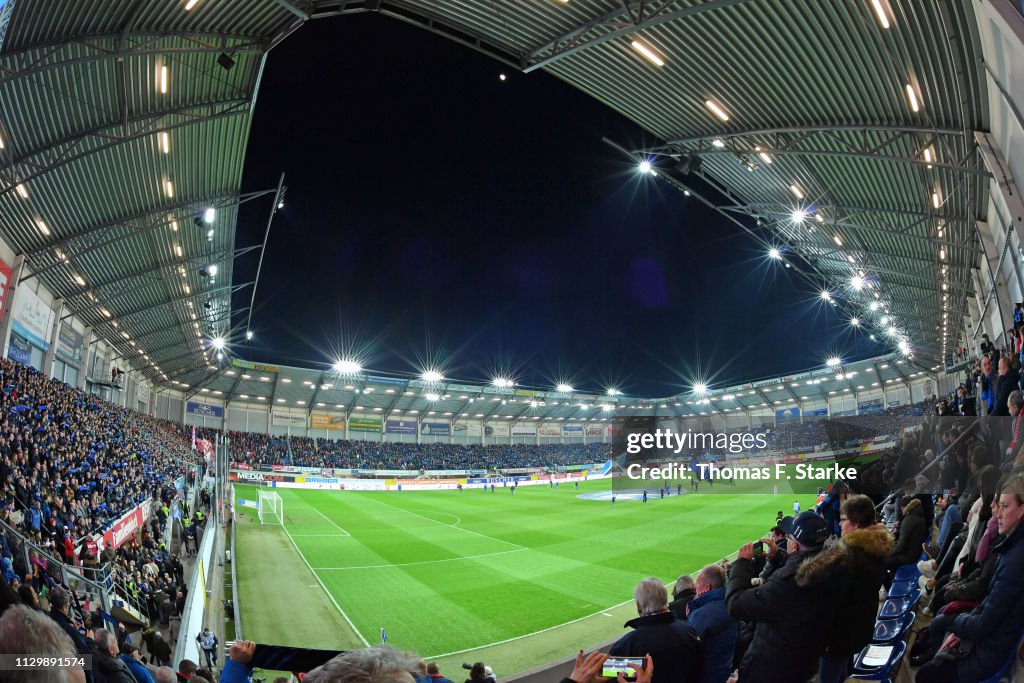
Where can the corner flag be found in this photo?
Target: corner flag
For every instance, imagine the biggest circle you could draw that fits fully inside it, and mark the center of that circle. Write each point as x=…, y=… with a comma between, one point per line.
x=383, y=635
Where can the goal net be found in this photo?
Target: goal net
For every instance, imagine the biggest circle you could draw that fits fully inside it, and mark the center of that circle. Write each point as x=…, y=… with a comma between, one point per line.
x=271, y=507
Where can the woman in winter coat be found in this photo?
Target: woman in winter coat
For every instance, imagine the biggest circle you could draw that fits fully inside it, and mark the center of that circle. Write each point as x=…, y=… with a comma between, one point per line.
x=857, y=563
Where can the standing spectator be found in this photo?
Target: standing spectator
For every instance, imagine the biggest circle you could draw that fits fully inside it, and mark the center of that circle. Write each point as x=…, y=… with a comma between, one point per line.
x=717, y=630
x=106, y=667
x=1006, y=384
x=673, y=645
x=682, y=593
x=789, y=635
x=911, y=536
x=857, y=564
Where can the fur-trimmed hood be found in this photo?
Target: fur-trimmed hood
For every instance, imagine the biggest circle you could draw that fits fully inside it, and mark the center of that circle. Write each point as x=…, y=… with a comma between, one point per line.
x=912, y=506
x=871, y=544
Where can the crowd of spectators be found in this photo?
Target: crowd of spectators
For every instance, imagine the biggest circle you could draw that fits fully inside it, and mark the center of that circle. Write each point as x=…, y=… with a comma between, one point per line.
x=258, y=449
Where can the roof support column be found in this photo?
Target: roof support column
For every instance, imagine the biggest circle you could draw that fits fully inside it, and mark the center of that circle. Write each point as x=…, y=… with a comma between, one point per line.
x=54, y=336
x=83, y=371
x=7, y=290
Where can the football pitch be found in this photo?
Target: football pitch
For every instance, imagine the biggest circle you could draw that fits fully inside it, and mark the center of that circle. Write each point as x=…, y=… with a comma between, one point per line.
x=515, y=581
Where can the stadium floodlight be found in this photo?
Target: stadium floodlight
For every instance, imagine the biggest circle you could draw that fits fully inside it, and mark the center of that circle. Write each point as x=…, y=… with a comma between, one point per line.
x=855, y=322
x=884, y=321
x=209, y=215
x=834, y=362
x=217, y=342
x=503, y=382
x=857, y=283
x=700, y=388
x=892, y=331
x=432, y=397
x=718, y=142
x=644, y=167
x=564, y=388
x=874, y=306
x=432, y=376
x=613, y=392
x=347, y=367
x=904, y=347
x=248, y=334
x=798, y=216
x=825, y=295
x=607, y=408
x=774, y=253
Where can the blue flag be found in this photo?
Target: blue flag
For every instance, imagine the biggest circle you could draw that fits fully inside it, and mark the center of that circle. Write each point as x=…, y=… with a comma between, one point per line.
x=383, y=635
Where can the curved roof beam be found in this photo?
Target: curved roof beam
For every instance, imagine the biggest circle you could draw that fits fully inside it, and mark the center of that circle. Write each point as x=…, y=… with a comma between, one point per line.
x=80, y=145
x=39, y=58
x=631, y=17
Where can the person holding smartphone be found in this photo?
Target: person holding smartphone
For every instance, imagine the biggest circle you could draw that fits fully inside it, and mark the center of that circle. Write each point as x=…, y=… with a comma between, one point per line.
x=673, y=644
x=594, y=668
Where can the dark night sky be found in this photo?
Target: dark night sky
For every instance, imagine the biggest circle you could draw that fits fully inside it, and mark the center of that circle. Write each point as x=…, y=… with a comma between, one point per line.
x=437, y=215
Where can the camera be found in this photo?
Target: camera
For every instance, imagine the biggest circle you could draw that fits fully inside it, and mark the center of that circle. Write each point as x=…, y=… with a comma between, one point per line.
x=467, y=667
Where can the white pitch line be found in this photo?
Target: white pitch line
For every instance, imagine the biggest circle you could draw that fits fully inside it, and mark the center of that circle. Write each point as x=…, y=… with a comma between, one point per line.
x=329, y=520
x=321, y=535
x=409, y=564
x=317, y=577
x=408, y=512
x=526, y=635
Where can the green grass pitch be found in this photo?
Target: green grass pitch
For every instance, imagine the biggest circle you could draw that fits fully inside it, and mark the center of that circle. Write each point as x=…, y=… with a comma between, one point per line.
x=514, y=581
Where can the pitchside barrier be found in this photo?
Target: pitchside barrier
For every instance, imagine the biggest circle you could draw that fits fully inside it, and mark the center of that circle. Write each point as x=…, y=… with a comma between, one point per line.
x=193, y=617
x=298, y=481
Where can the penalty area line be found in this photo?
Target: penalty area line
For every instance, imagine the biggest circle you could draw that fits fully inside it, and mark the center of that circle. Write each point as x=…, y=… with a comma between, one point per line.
x=451, y=526
x=319, y=581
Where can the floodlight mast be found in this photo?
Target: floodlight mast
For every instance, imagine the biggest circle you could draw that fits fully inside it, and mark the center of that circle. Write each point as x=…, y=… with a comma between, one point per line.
x=277, y=203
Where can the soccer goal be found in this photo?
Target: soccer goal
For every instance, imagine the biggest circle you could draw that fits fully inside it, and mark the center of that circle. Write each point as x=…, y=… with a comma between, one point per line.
x=271, y=507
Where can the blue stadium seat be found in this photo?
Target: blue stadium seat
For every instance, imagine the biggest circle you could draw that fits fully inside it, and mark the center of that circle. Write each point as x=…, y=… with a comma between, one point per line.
x=901, y=589
x=884, y=671
x=907, y=572
x=890, y=630
x=898, y=607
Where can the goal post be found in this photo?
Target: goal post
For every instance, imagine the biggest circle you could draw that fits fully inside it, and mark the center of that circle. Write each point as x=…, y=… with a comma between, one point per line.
x=271, y=507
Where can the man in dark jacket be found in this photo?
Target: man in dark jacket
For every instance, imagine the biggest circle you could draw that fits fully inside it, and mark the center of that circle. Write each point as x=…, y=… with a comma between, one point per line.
x=682, y=594
x=788, y=633
x=672, y=644
x=857, y=564
x=994, y=626
x=909, y=539
x=1006, y=383
x=59, y=612
x=106, y=667
x=717, y=630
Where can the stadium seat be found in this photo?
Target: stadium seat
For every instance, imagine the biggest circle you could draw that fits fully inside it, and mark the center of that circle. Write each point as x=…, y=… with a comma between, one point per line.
x=878, y=662
x=901, y=589
x=907, y=572
x=888, y=631
x=898, y=607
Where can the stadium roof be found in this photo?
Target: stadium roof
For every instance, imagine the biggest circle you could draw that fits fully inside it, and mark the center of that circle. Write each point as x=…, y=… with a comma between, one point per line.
x=392, y=396
x=859, y=114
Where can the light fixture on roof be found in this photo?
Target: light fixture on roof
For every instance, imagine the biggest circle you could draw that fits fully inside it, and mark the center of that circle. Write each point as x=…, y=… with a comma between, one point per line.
x=798, y=216
x=613, y=392
x=163, y=80
x=347, y=367
x=942, y=253
x=883, y=19
x=774, y=253
x=648, y=53
x=857, y=283
x=935, y=200
x=825, y=295
x=838, y=240
x=177, y=250
x=718, y=142
x=79, y=280
x=432, y=397
x=700, y=388
x=765, y=157
x=503, y=382
x=855, y=322
x=248, y=334
x=165, y=142
x=797, y=192
x=564, y=388
x=716, y=109
x=432, y=376
x=42, y=228
x=209, y=215
x=644, y=167
x=833, y=362
x=912, y=98
x=22, y=190
x=106, y=313
x=169, y=189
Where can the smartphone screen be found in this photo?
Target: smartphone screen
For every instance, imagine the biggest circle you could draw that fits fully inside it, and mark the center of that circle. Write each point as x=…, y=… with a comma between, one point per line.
x=613, y=665
x=758, y=547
